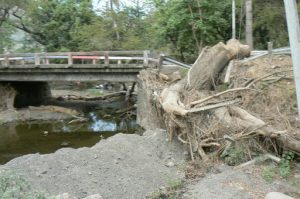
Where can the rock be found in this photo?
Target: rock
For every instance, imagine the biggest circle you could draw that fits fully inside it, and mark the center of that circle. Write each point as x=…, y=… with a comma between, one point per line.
x=163, y=77
x=65, y=144
x=44, y=172
x=175, y=76
x=106, y=116
x=64, y=196
x=277, y=195
x=170, y=164
x=95, y=196
x=297, y=176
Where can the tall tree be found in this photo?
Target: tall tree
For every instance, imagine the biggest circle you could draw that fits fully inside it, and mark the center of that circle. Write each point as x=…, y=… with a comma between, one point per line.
x=191, y=24
x=269, y=23
x=249, y=22
x=99, y=35
x=53, y=23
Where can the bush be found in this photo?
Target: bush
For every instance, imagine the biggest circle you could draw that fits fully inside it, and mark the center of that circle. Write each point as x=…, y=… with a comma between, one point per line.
x=234, y=156
x=14, y=186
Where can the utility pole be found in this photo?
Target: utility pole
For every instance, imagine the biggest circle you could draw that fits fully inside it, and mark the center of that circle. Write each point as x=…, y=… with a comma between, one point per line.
x=249, y=21
x=233, y=20
x=294, y=37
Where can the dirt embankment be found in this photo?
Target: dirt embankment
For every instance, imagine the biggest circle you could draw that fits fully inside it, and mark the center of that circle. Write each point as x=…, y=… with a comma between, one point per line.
x=123, y=166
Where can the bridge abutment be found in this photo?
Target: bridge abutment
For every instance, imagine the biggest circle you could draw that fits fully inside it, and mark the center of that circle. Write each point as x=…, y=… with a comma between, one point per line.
x=30, y=93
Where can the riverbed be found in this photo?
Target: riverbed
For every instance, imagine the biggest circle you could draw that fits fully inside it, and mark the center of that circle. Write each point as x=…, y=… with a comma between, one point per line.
x=102, y=120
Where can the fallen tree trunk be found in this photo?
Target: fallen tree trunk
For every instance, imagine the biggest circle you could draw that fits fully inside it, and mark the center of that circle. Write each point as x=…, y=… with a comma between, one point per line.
x=200, y=117
x=211, y=62
x=202, y=75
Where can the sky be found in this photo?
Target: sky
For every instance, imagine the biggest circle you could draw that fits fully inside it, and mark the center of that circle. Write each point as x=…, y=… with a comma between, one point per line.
x=102, y=3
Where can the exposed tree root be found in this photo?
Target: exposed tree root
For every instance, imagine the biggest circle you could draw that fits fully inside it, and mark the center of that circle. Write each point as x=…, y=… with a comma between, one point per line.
x=205, y=124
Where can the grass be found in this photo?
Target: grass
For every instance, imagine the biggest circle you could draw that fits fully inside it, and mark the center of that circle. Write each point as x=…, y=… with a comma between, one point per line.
x=269, y=173
x=14, y=186
x=172, y=191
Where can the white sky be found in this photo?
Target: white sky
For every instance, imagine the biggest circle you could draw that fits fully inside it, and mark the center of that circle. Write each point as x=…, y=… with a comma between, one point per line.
x=102, y=3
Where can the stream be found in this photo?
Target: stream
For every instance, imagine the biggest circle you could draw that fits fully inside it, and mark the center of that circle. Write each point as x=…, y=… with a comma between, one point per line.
x=19, y=139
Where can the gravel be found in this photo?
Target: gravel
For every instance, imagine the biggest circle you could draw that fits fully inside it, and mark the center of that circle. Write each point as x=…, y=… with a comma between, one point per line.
x=123, y=166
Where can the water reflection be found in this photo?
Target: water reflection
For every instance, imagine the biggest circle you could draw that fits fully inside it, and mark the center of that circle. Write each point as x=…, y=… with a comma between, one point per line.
x=99, y=124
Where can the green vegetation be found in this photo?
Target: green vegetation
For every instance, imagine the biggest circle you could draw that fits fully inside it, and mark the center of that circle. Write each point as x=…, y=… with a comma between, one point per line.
x=172, y=191
x=283, y=169
x=180, y=28
x=234, y=156
x=286, y=163
x=14, y=186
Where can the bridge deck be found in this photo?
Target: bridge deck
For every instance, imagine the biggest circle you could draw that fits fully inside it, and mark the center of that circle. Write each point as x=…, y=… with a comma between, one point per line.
x=74, y=66
x=117, y=66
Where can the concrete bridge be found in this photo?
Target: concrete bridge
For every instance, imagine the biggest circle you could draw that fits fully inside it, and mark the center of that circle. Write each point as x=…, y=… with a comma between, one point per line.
x=28, y=73
x=116, y=66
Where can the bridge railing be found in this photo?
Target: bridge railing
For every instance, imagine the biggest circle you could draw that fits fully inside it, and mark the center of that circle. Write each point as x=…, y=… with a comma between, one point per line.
x=164, y=58
x=105, y=58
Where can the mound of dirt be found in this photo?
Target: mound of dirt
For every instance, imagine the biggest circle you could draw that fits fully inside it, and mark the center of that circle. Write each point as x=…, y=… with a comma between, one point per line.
x=123, y=166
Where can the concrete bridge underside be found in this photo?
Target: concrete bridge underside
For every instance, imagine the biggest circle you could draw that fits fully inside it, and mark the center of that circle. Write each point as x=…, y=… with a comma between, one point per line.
x=70, y=73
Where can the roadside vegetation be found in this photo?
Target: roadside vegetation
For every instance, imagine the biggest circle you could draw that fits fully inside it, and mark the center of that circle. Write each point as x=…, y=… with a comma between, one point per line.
x=176, y=27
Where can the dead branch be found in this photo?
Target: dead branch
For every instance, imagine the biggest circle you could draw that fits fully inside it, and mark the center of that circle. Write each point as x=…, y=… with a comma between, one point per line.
x=217, y=95
x=259, y=159
x=265, y=76
x=213, y=106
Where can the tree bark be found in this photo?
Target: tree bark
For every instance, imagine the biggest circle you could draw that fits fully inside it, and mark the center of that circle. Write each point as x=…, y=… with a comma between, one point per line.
x=202, y=75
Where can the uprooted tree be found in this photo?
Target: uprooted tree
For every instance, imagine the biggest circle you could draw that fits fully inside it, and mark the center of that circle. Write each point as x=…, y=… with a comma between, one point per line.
x=204, y=119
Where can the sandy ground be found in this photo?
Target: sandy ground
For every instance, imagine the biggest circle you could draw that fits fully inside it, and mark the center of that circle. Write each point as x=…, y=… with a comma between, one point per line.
x=123, y=166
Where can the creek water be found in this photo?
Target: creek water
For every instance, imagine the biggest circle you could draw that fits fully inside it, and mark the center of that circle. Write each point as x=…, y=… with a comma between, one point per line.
x=46, y=137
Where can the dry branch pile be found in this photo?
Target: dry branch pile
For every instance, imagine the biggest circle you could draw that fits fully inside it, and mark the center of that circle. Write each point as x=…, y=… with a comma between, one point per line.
x=208, y=118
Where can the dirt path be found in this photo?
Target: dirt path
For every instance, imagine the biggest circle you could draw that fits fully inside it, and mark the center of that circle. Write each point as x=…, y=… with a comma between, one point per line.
x=123, y=166
x=226, y=182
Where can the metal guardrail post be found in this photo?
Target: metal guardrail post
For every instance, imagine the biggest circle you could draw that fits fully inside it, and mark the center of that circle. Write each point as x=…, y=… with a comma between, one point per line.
x=160, y=61
x=270, y=51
